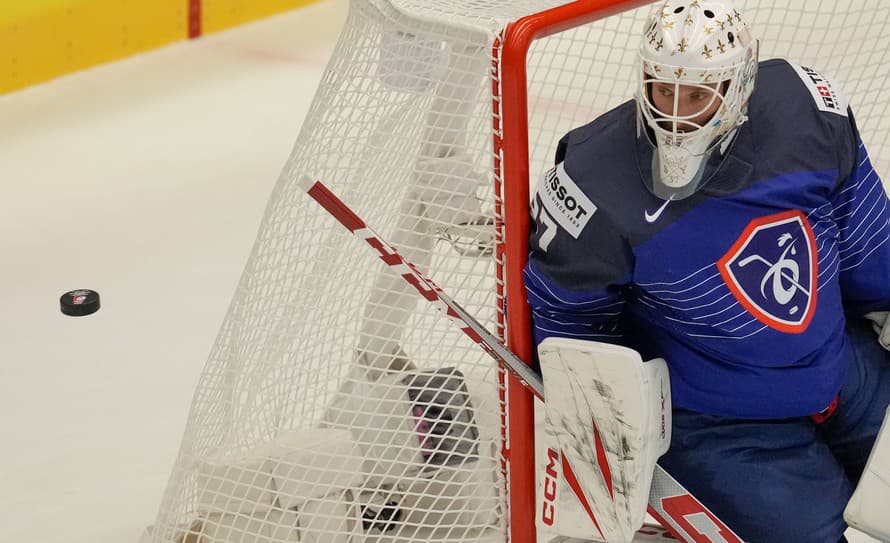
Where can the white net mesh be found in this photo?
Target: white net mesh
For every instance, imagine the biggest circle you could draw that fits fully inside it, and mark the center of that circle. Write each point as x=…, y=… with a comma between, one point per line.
x=334, y=406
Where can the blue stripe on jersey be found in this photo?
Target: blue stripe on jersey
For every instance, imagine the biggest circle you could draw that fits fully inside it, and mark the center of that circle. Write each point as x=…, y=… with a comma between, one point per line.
x=564, y=313
x=863, y=215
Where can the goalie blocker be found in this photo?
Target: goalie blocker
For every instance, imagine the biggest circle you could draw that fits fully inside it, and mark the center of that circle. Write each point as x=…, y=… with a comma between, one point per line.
x=627, y=403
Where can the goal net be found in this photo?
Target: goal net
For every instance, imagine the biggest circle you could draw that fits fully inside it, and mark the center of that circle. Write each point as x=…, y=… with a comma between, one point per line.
x=334, y=406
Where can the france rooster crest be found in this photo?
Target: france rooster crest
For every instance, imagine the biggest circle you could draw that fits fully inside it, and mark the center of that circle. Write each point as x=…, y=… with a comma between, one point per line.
x=772, y=271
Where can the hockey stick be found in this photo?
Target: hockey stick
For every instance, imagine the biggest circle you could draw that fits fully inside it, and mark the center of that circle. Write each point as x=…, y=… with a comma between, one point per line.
x=671, y=504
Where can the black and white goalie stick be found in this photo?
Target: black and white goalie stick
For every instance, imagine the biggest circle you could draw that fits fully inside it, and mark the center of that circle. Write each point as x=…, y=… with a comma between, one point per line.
x=671, y=504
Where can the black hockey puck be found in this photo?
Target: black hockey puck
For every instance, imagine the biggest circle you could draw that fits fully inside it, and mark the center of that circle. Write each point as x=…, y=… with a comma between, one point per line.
x=80, y=302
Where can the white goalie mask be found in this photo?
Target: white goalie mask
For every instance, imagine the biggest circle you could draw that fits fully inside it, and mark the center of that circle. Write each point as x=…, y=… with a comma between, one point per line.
x=698, y=69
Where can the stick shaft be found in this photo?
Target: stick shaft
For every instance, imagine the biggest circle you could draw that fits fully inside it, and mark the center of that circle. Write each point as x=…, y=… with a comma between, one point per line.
x=674, y=507
x=426, y=288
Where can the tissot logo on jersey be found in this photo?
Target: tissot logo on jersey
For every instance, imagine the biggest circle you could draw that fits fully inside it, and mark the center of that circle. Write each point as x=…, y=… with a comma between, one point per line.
x=824, y=93
x=565, y=202
x=772, y=271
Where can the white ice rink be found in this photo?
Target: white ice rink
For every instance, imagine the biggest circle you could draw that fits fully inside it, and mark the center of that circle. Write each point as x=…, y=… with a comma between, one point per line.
x=145, y=180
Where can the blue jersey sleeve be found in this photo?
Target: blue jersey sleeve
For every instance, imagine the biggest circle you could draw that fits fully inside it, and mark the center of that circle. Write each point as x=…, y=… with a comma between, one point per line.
x=591, y=315
x=862, y=214
x=577, y=270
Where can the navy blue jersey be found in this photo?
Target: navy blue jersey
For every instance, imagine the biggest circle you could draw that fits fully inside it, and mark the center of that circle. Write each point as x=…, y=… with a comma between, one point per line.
x=743, y=286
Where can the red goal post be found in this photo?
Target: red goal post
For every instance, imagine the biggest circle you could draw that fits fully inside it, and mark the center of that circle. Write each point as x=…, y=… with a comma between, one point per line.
x=511, y=147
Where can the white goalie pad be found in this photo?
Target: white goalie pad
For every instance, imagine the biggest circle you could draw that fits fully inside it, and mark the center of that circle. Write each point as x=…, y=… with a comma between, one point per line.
x=441, y=203
x=420, y=446
x=378, y=415
x=315, y=463
x=236, y=484
x=447, y=187
x=298, y=486
x=867, y=509
x=451, y=495
x=406, y=422
x=609, y=414
x=881, y=325
x=284, y=472
x=334, y=518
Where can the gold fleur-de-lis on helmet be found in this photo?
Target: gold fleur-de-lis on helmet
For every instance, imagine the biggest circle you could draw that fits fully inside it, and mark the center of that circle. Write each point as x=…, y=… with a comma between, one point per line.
x=721, y=46
x=708, y=30
x=694, y=4
x=722, y=24
x=683, y=45
x=706, y=77
x=668, y=25
x=656, y=68
x=729, y=19
x=659, y=45
x=707, y=52
x=679, y=73
x=689, y=19
x=737, y=16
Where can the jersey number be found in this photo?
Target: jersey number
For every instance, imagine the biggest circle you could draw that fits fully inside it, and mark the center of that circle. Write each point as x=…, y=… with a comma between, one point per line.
x=546, y=225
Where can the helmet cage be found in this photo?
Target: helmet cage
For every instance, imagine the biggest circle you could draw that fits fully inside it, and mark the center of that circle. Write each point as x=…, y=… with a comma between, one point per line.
x=722, y=85
x=706, y=45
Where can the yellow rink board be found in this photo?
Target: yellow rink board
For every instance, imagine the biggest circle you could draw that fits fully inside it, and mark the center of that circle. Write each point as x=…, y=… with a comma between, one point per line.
x=43, y=39
x=221, y=14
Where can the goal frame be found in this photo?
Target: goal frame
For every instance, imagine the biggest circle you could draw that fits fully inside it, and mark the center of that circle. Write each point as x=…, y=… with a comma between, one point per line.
x=511, y=168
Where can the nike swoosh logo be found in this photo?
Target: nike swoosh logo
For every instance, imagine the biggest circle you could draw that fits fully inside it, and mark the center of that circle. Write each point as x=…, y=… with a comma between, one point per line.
x=652, y=217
